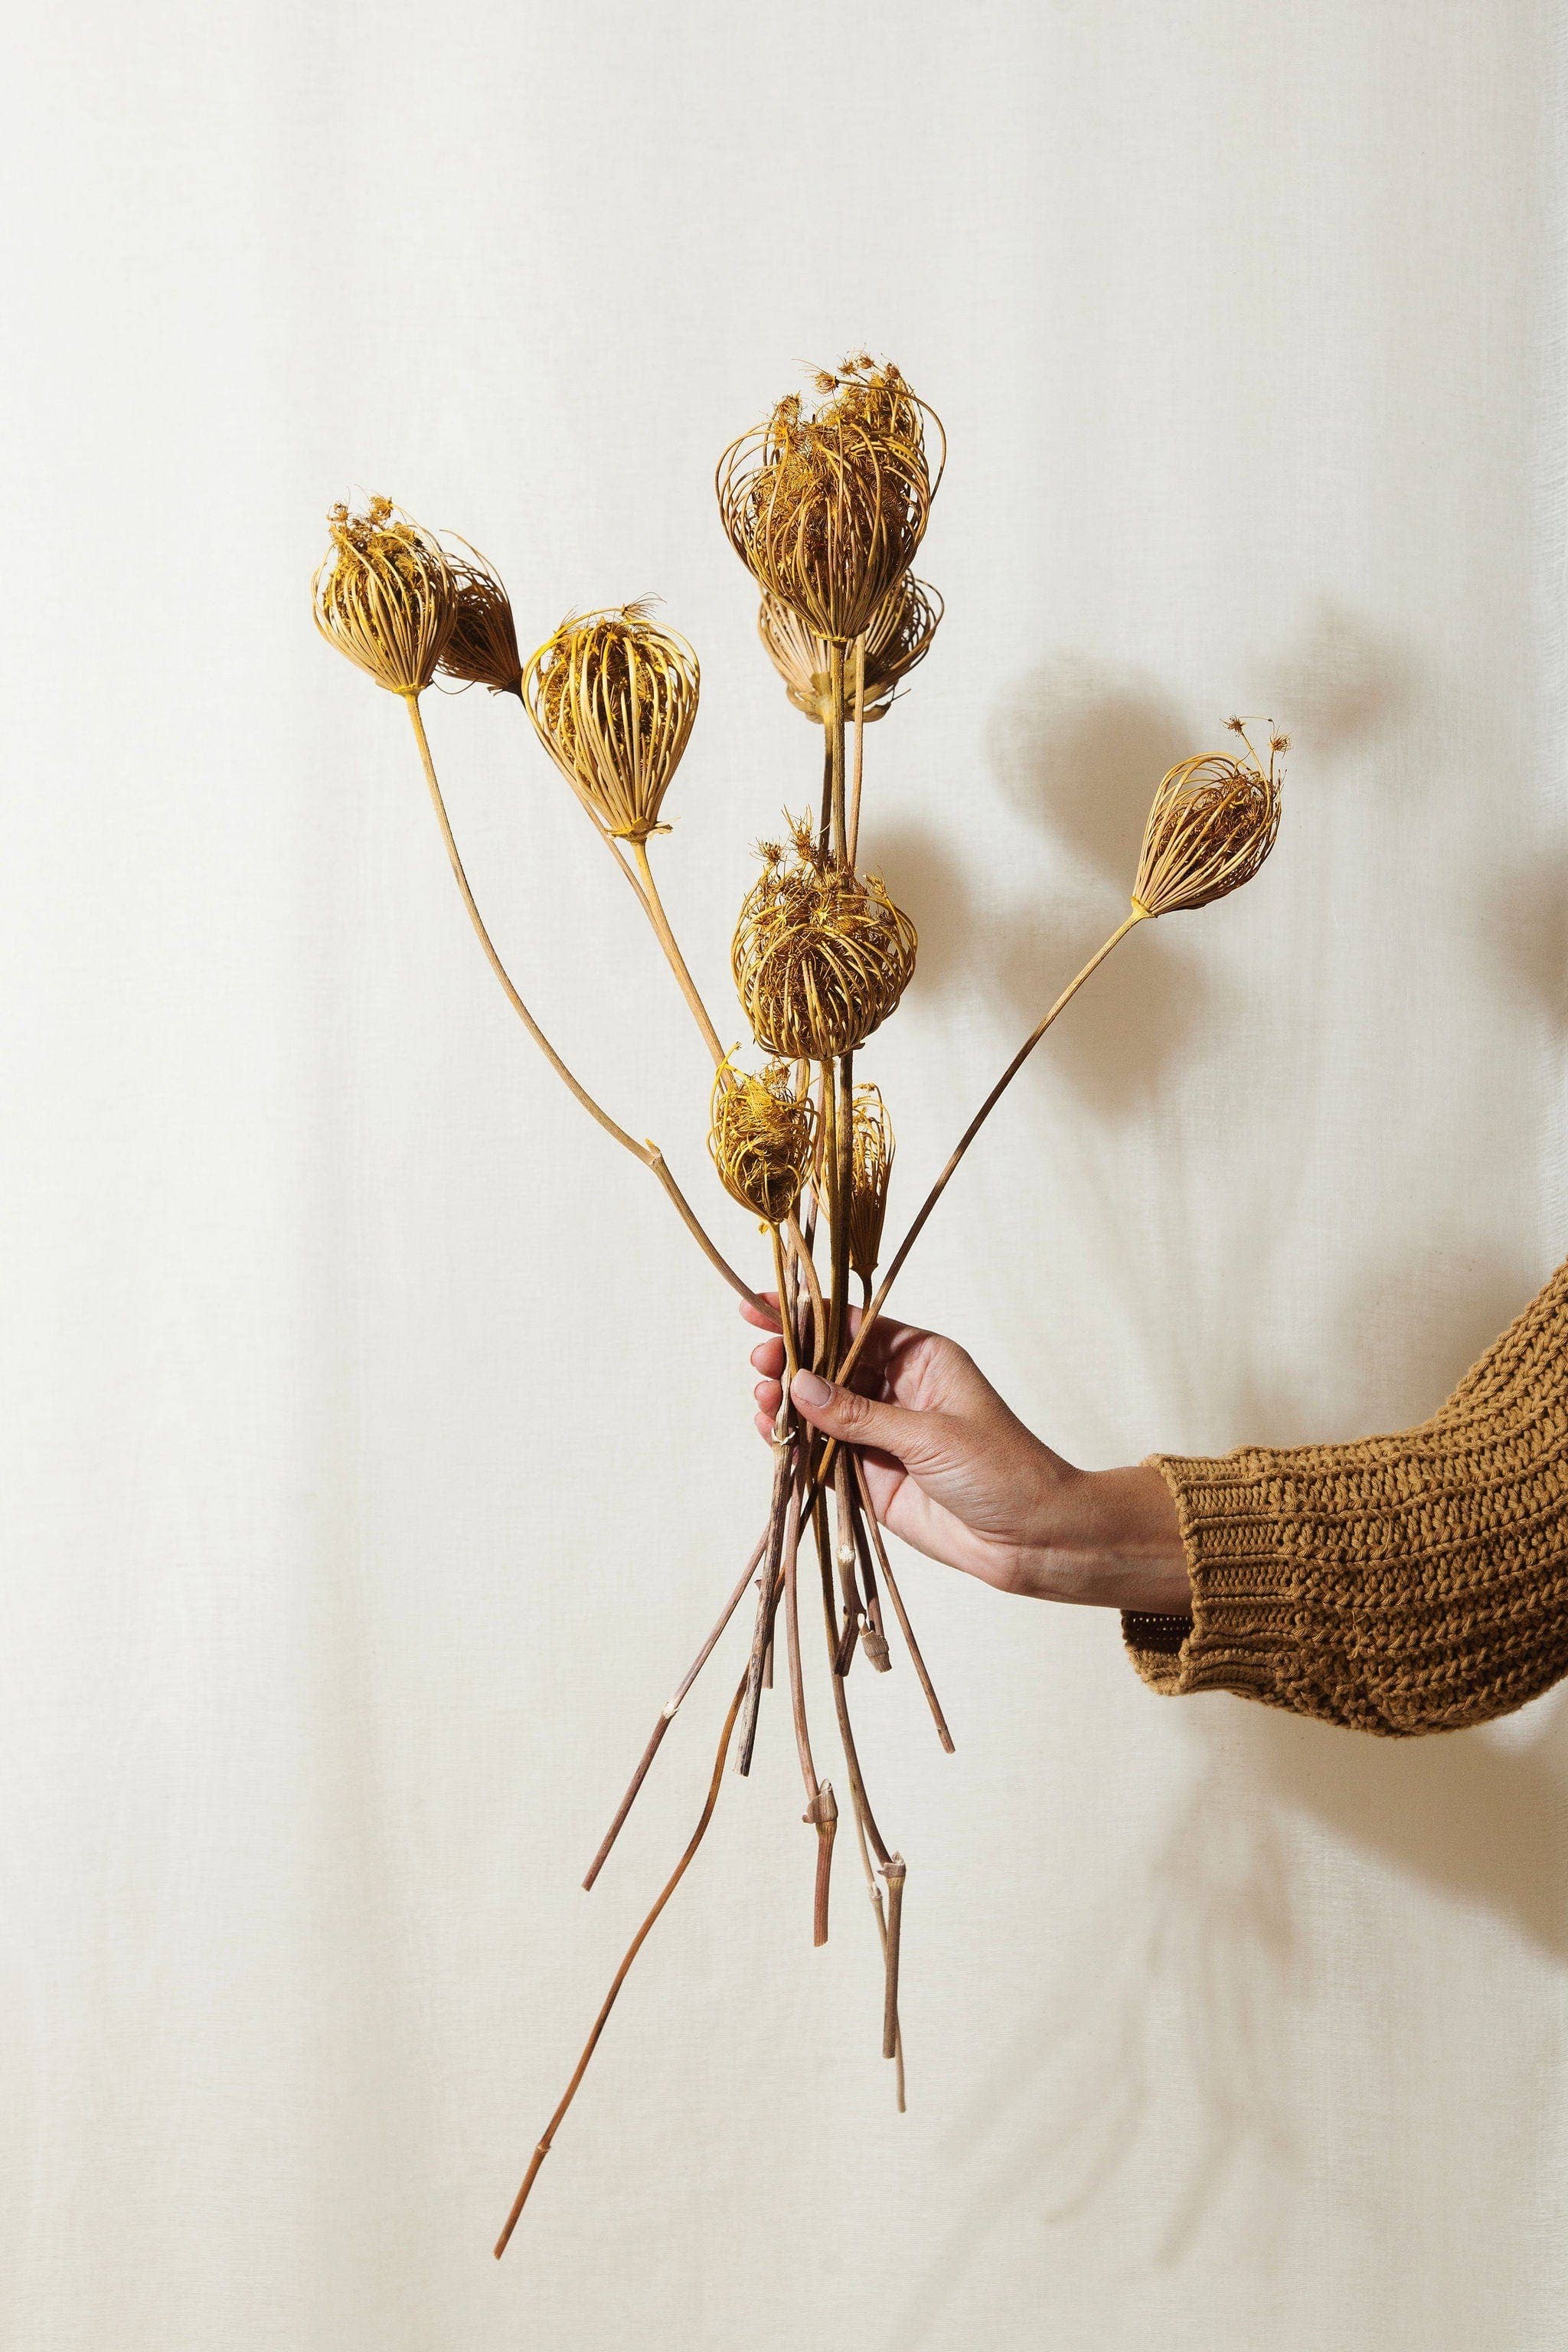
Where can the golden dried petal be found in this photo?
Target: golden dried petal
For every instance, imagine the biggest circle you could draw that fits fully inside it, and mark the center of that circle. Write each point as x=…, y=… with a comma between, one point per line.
x=613, y=697
x=821, y=955
x=384, y=596
x=1213, y=822
x=826, y=509
x=762, y=1136
x=482, y=647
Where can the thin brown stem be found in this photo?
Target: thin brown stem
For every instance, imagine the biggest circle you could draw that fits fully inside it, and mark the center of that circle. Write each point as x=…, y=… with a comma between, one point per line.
x=786, y=1326
x=838, y=837
x=879, y=1914
x=672, y=1708
x=838, y=1095
x=673, y=957
x=790, y=1558
x=874, y=1633
x=892, y=1864
x=845, y=1555
x=800, y=1243
x=823, y=1811
x=768, y=1601
x=895, y=1874
x=869, y=1520
x=840, y=1699
x=853, y=827
x=651, y=1156
x=967, y=1138
x=821, y=1807
x=677, y=1875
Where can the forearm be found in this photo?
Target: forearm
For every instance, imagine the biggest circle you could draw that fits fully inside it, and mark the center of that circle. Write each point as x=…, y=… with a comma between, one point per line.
x=1116, y=1543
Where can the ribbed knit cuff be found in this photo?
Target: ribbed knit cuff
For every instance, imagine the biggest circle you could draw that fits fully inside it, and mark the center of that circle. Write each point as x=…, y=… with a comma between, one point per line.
x=1230, y=1513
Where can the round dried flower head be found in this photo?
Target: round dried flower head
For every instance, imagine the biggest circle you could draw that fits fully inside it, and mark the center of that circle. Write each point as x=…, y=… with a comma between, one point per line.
x=1212, y=824
x=899, y=637
x=821, y=955
x=826, y=508
x=871, y=1164
x=762, y=1138
x=613, y=697
x=482, y=647
x=384, y=596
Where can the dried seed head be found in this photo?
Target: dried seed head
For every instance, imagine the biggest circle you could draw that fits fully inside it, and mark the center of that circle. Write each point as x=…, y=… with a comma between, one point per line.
x=482, y=647
x=821, y=955
x=1212, y=824
x=871, y=1153
x=613, y=697
x=384, y=596
x=826, y=509
x=900, y=636
x=762, y=1138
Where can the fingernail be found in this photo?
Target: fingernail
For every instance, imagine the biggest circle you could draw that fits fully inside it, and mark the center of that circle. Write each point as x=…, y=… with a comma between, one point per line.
x=808, y=1389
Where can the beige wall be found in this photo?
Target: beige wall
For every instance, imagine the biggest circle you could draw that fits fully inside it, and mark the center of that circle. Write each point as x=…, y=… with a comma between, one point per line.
x=376, y=1449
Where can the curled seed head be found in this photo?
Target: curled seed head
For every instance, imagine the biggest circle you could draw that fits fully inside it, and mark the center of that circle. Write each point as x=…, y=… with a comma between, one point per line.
x=482, y=647
x=871, y=1158
x=384, y=596
x=821, y=955
x=613, y=697
x=899, y=637
x=1212, y=824
x=827, y=508
x=762, y=1136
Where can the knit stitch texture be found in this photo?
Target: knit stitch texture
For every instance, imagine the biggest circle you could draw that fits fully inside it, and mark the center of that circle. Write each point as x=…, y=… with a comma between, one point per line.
x=1399, y=1584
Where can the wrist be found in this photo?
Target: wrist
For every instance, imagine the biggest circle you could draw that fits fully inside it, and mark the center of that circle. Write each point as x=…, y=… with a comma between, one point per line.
x=1116, y=1543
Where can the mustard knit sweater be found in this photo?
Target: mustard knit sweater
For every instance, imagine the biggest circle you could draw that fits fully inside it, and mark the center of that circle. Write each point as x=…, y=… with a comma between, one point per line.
x=1398, y=1584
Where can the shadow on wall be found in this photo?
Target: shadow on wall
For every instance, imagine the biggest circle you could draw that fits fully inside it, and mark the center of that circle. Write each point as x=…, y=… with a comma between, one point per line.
x=1183, y=1985
x=1173, y=1993
x=1406, y=1333
x=1187, y=1982
x=1077, y=751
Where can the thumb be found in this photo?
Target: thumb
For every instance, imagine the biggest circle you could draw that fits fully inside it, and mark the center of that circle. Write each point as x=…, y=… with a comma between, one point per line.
x=859, y=1420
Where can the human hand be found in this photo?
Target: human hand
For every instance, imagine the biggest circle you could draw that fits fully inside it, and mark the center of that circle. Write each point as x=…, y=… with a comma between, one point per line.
x=953, y=1471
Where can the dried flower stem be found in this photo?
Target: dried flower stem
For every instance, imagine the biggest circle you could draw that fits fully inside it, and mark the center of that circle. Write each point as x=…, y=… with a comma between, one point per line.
x=823, y=1812
x=895, y=1874
x=869, y=1319
x=800, y=1244
x=821, y=1808
x=672, y=1708
x=837, y=834
x=855, y=1612
x=853, y=838
x=789, y=1561
x=874, y=1633
x=891, y=1864
x=786, y=1328
x=879, y=1914
x=869, y=1520
x=840, y=1700
x=768, y=1589
x=651, y=1156
x=654, y=906
x=677, y=1875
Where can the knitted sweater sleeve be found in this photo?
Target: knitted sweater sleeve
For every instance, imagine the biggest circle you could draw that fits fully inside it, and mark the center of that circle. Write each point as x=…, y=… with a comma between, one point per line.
x=1399, y=1584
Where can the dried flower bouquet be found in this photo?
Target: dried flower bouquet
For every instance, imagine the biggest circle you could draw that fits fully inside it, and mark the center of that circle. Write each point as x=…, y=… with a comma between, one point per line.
x=827, y=506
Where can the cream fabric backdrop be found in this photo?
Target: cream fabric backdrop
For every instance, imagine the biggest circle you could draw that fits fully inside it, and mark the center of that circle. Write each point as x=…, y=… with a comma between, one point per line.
x=376, y=1447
